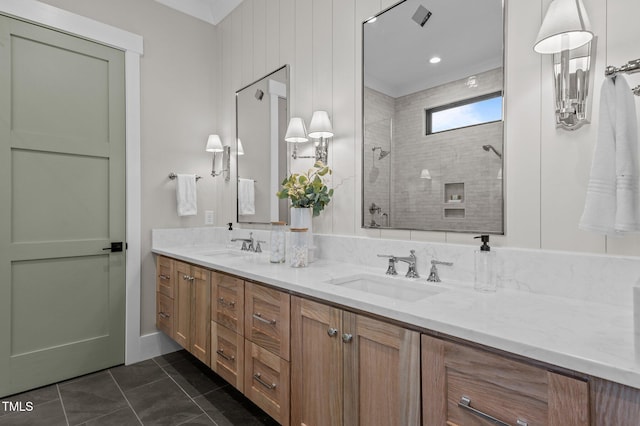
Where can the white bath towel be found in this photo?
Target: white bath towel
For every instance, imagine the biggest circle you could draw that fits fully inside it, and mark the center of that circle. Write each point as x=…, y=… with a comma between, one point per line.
x=246, y=196
x=186, y=195
x=612, y=200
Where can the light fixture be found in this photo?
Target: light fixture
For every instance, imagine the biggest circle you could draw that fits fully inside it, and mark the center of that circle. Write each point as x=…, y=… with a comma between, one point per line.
x=214, y=145
x=435, y=60
x=566, y=33
x=424, y=174
x=240, y=147
x=320, y=128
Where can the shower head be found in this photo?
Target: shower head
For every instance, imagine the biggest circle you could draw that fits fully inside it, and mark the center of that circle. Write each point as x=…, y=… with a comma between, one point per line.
x=490, y=147
x=383, y=153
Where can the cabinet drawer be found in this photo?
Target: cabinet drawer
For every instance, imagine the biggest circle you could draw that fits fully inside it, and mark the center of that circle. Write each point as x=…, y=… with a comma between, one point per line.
x=164, y=276
x=227, y=301
x=227, y=355
x=460, y=384
x=164, y=314
x=267, y=381
x=267, y=318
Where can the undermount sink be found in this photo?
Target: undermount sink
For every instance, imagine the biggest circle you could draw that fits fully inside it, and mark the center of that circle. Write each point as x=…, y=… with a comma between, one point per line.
x=394, y=288
x=225, y=254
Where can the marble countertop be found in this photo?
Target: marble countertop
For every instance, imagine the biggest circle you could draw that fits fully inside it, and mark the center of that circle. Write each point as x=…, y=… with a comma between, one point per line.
x=587, y=337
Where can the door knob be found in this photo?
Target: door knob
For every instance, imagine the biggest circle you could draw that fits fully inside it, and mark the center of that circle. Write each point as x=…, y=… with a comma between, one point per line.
x=346, y=337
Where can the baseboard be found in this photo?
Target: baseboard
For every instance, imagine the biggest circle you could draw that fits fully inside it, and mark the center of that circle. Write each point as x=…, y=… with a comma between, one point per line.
x=156, y=344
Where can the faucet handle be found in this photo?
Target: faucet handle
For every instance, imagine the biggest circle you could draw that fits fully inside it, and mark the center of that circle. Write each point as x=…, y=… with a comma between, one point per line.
x=258, y=248
x=391, y=269
x=438, y=262
x=386, y=255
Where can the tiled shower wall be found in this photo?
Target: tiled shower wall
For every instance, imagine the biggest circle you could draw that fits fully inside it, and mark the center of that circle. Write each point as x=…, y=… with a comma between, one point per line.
x=454, y=159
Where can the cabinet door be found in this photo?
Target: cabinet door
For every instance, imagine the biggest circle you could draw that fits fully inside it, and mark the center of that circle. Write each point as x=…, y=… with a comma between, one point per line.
x=182, y=304
x=227, y=301
x=267, y=381
x=164, y=314
x=381, y=373
x=165, y=282
x=200, y=335
x=316, y=364
x=496, y=387
x=227, y=355
x=266, y=319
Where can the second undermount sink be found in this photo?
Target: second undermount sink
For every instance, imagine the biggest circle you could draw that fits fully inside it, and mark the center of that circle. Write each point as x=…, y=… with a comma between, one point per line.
x=394, y=288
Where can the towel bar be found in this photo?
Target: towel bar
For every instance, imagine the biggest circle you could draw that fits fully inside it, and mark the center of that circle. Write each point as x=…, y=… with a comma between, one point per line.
x=173, y=176
x=628, y=68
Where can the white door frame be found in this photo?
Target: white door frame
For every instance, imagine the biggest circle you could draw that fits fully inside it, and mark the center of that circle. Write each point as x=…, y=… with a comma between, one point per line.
x=132, y=44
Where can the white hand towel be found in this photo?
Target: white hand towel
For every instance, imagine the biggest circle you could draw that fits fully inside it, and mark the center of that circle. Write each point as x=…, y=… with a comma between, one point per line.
x=627, y=183
x=611, y=205
x=600, y=204
x=246, y=196
x=186, y=195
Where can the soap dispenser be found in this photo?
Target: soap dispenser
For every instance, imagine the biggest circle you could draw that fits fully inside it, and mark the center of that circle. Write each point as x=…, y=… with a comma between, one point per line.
x=485, y=279
x=229, y=235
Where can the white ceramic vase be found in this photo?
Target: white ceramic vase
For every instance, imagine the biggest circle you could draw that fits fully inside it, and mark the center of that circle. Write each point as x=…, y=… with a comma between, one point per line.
x=302, y=217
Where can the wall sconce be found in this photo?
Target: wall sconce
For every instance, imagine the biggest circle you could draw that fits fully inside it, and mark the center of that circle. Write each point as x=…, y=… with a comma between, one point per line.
x=424, y=174
x=240, y=147
x=319, y=128
x=566, y=33
x=214, y=144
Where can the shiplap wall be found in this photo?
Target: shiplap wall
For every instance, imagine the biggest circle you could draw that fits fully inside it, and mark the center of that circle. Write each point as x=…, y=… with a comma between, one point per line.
x=546, y=169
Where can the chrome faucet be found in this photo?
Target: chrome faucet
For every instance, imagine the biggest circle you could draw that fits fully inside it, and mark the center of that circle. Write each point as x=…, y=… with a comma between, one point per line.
x=411, y=260
x=247, y=243
x=433, y=275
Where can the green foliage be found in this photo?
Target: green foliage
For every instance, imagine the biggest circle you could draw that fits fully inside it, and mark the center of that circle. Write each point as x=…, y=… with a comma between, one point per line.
x=308, y=189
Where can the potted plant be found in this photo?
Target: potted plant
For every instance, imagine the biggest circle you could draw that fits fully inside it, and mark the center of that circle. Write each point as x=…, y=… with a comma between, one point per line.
x=308, y=190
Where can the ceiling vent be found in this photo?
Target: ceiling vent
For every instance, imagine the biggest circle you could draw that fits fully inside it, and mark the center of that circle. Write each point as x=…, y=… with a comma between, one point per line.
x=421, y=16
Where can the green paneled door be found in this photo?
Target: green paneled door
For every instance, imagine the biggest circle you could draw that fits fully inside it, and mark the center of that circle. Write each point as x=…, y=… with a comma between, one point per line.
x=62, y=201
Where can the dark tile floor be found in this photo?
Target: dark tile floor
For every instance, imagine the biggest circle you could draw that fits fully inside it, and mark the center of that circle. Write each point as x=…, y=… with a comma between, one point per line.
x=174, y=389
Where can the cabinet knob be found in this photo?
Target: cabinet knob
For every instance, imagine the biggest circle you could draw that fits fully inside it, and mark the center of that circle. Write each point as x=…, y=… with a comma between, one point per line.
x=346, y=337
x=332, y=332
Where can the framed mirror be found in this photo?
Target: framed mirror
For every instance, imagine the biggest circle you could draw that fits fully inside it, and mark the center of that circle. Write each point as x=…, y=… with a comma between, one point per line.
x=433, y=116
x=262, y=114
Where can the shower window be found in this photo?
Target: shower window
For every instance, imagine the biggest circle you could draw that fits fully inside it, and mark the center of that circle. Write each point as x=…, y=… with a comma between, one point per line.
x=469, y=112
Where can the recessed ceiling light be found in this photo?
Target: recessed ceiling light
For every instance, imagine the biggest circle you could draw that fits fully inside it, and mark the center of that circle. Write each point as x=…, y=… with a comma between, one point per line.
x=435, y=60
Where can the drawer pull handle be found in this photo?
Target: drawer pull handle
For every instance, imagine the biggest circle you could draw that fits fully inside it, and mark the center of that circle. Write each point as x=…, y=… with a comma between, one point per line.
x=225, y=356
x=225, y=303
x=347, y=337
x=258, y=316
x=258, y=377
x=164, y=277
x=465, y=403
x=163, y=315
x=332, y=332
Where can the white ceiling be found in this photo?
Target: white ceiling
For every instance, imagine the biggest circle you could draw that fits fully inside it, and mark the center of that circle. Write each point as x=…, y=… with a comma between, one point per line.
x=211, y=11
x=467, y=35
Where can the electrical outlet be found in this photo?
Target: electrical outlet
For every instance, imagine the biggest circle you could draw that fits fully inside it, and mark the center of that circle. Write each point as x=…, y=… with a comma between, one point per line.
x=208, y=217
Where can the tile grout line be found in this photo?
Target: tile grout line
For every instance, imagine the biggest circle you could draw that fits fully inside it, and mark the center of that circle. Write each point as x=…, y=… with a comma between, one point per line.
x=64, y=410
x=125, y=397
x=188, y=396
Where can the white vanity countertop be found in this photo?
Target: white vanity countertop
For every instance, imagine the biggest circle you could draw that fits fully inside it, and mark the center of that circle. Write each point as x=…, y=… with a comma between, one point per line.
x=592, y=338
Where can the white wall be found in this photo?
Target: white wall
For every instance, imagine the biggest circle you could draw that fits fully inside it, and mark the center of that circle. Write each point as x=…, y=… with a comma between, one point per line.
x=179, y=80
x=546, y=169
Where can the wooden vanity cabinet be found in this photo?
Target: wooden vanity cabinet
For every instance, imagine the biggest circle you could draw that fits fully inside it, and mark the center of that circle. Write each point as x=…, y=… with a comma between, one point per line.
x=267, y=329
x=349, y=369
x=191, y=309
x=227, y=328
x=165, y=289
x=467, y=386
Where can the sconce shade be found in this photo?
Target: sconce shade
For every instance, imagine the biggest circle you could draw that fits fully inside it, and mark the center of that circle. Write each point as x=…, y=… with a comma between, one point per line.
x=320, y=126
x=240, y=147
x=565, y=26
x=296, y=131
x=214, y=144
x=424, y=174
